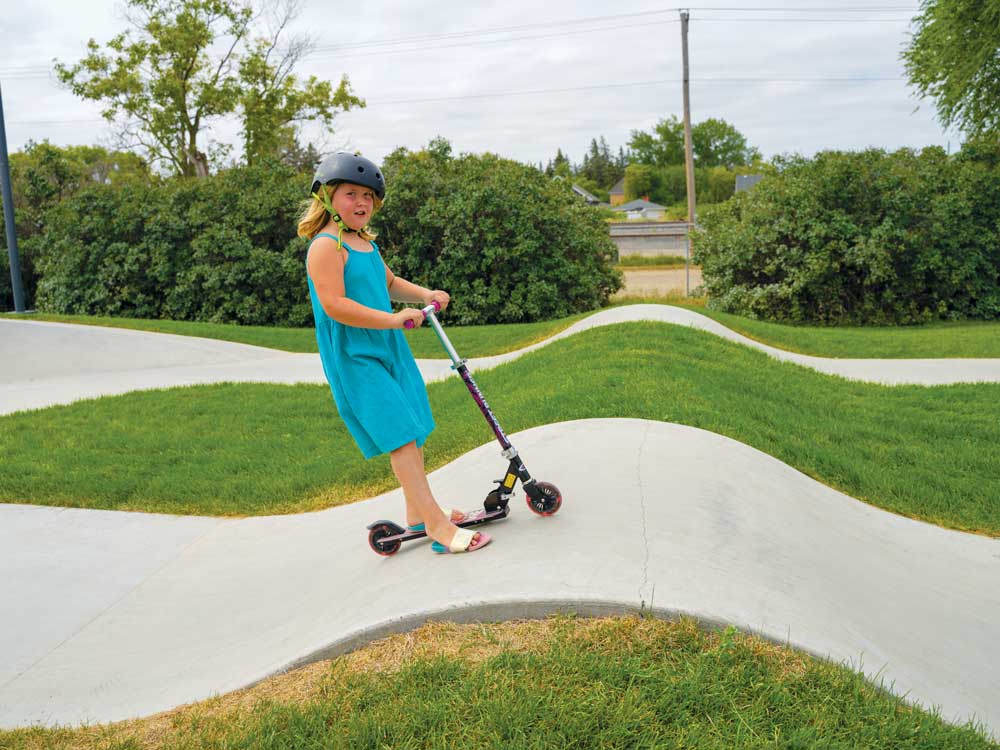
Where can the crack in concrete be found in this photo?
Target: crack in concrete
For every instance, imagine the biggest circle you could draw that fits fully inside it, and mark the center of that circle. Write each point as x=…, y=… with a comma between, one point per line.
x=645, y=539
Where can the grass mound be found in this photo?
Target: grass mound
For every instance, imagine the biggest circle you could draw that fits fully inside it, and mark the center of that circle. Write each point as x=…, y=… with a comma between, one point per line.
x=254, y=449
x=624, y=682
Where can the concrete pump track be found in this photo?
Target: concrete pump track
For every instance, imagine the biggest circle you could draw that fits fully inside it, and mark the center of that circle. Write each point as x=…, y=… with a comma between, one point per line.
x=112, y=615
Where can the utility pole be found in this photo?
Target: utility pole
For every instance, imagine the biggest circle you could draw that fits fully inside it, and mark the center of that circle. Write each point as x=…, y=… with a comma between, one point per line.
x=8, y=217
x=688, y=154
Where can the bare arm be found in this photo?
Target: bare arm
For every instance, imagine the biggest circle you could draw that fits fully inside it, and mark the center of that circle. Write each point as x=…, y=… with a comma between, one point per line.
x=402, y=290
x=326, y=269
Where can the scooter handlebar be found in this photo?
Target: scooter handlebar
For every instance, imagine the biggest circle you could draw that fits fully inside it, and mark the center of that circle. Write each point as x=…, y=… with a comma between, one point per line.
x=433, y=307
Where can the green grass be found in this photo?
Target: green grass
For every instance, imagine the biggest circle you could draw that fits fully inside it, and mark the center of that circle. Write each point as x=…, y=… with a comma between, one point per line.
x=966, y=339
x=650, y=262
x=942, y=339
x=929, y=453
x=565, y=683
x=469, y=341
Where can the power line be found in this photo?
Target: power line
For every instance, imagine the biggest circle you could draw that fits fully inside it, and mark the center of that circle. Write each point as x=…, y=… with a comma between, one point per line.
x=816, y=9
x=535, y=92
x=497, y=30
x=41, y=71
x=804, y=20
x=481, y=42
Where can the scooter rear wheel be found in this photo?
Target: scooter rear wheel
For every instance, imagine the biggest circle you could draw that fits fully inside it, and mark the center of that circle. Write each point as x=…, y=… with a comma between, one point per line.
x=550, y=501
x=386, y=549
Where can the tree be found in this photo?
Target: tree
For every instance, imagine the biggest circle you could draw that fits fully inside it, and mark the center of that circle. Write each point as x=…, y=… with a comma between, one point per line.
x=302, y=159
x=599, y=166
x=161, y=82
x=641, y=180
x=661, y=148
x=954, y=59
x=270, y=102
x=560, y=166
x=714, y=143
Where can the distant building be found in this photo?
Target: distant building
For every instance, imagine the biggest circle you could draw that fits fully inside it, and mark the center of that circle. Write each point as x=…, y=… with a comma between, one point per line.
x=618, y=193
x=590, y=198
x=747, y=181
x=640, y=209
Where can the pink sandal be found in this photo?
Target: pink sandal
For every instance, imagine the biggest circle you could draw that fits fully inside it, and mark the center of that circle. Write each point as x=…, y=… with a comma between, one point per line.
x=463, y=541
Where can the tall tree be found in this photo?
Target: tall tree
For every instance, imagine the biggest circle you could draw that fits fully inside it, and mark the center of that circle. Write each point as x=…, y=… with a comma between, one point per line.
x=559, y=166
x=954, y=58
x=270, y=102
x=163, y=84
x=714, y=142
x=598, y=164
x=661, y=148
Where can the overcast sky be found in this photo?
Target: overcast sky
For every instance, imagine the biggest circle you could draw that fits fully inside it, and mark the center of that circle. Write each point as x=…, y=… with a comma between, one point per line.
x=789, y=80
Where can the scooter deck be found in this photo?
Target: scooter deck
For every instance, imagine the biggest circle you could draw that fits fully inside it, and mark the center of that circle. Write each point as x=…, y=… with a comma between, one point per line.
x=472, y=519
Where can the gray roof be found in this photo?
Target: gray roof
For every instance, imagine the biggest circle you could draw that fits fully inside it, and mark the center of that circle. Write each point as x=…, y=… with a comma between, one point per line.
x=619, y=188
x=639, y=205
x=589, y=197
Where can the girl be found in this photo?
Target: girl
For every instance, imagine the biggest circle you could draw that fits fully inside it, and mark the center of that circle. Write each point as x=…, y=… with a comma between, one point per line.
x=376, y=385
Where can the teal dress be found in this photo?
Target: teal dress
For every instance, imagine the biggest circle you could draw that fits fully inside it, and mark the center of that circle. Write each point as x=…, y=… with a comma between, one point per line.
x=376, y=385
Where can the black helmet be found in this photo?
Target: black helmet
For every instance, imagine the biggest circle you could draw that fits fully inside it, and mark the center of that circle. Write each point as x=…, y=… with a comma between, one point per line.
x=346, y=167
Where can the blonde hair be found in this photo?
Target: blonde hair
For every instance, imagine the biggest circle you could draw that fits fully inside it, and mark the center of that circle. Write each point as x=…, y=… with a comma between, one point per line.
x=314, y=215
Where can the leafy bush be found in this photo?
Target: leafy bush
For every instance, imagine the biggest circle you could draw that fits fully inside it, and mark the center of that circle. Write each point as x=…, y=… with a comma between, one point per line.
x=508, y=243
x=860, y=238
x=218, y=249
x=41, y=176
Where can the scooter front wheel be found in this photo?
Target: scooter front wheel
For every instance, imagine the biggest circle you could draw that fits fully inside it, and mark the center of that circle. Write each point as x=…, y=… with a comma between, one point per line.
x=380, y=532
x=547, y=502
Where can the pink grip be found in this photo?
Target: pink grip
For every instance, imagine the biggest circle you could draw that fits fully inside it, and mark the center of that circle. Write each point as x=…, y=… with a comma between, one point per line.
x=437, y=308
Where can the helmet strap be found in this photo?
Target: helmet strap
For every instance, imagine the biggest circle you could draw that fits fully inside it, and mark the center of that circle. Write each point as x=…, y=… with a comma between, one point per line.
x=325, y=200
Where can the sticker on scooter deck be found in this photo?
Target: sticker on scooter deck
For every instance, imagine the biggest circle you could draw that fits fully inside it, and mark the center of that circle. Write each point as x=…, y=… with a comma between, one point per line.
x=476, y=516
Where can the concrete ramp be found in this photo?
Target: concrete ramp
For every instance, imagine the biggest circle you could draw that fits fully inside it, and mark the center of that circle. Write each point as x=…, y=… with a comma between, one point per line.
x=158, y=611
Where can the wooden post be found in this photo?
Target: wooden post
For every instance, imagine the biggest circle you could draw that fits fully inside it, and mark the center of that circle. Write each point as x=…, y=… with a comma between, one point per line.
x=688, y=152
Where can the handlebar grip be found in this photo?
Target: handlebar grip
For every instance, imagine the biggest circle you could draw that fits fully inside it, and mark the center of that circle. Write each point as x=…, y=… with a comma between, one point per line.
x=434, y=306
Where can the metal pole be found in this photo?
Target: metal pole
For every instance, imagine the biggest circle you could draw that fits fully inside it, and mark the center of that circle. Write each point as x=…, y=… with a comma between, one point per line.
x=8, y=217
x=688, y=152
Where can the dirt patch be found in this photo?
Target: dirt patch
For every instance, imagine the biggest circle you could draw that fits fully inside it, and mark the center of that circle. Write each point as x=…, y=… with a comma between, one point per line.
x=642, y=283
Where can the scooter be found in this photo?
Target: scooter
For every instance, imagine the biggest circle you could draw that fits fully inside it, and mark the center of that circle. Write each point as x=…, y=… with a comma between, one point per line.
x=544, y=498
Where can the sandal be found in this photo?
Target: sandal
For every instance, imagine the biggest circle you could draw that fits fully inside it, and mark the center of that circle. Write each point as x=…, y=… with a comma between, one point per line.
x=463, y=542
x=422, y=527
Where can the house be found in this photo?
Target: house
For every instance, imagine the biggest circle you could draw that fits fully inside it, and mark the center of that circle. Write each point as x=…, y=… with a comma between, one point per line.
x=618, y=193
x=590, y=198
x=641, y=209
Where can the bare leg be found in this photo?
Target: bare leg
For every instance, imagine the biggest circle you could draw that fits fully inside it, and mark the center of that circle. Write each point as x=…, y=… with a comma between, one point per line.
x=408, y=465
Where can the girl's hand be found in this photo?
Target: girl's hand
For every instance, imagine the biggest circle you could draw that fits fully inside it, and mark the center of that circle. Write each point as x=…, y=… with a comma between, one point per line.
x=441, y=297
x=408, y=313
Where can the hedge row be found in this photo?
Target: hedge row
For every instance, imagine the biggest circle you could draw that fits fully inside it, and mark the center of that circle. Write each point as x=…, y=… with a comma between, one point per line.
x=507, y=243
x=860, y=238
